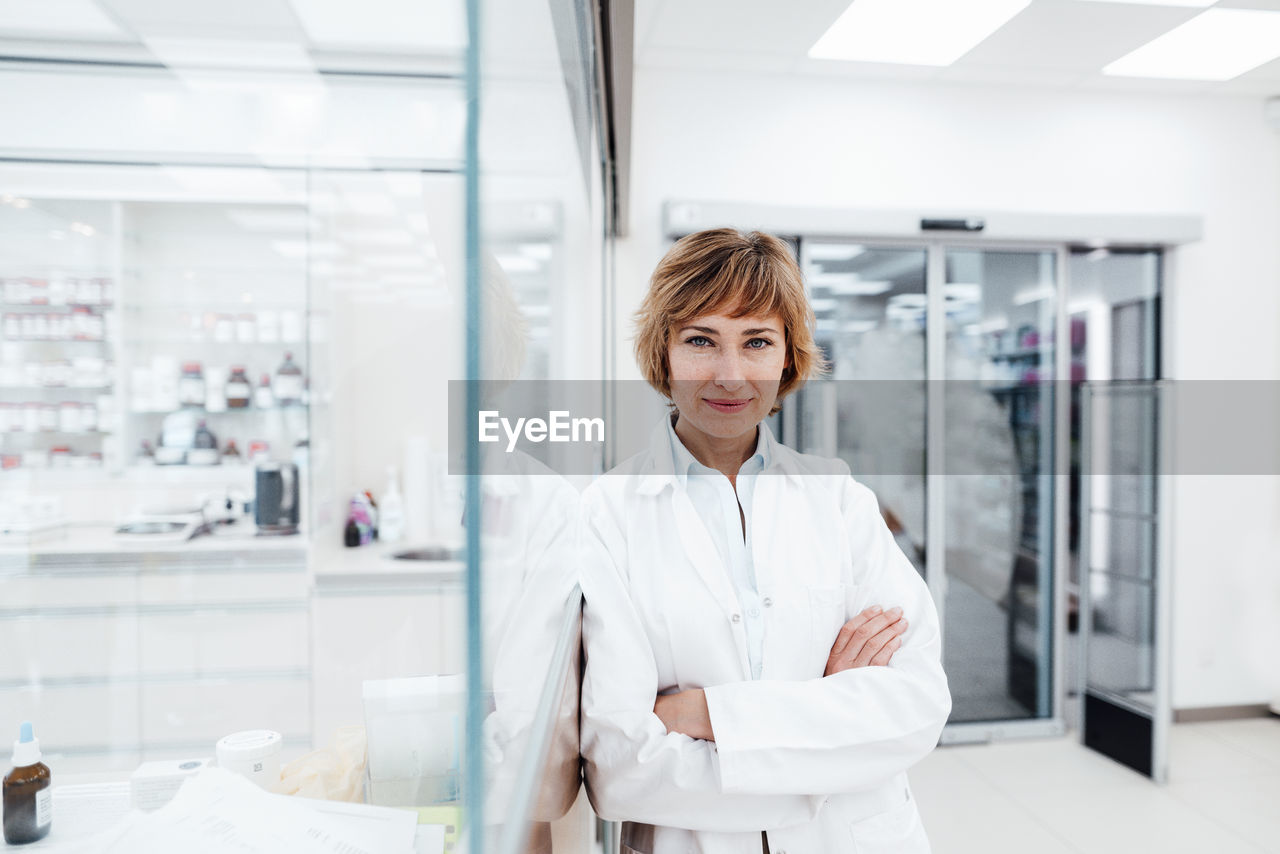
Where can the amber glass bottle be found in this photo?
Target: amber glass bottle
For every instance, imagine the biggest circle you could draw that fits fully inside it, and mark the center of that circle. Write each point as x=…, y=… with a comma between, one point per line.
x=28, y=800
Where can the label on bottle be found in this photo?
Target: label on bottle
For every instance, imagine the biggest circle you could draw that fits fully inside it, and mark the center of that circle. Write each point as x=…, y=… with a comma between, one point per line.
x=44, y=806
x=288, y=388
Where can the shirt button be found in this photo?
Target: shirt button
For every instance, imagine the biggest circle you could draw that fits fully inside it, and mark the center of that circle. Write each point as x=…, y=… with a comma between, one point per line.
x=754, y=612
x=737, y=618
x=768, y=603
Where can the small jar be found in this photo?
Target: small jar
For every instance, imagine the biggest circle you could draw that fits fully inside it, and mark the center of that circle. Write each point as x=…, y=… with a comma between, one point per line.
x=191, y=385
x=263, y=396
x=254, y=754
x=239, y=390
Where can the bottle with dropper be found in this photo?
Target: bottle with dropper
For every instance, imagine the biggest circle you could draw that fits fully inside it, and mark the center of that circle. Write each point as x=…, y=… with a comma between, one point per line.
x=28, y=799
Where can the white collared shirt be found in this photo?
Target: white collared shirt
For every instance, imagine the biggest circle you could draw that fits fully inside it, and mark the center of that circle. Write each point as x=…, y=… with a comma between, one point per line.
x=717, y=505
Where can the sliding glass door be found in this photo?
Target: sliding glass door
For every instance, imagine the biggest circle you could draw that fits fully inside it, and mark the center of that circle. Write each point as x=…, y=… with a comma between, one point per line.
x=940, y=400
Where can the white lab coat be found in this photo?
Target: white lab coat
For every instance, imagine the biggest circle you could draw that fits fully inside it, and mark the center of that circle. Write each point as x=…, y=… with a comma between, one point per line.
x=819, y=763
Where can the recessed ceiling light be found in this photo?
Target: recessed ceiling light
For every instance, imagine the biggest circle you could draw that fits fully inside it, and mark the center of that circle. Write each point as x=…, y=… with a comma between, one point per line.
x=1218, y=44
x=913, y=32
x=833, y=251
x=849, y=285
x=1034, y=293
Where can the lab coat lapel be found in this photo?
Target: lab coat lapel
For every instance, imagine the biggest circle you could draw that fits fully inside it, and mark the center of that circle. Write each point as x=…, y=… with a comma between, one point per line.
x=701, y=551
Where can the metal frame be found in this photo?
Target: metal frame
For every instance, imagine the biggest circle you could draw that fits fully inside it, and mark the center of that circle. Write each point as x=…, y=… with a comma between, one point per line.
x=564, y=657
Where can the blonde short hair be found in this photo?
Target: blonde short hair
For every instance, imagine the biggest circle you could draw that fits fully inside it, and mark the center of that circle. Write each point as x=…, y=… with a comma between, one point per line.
x=723, y=269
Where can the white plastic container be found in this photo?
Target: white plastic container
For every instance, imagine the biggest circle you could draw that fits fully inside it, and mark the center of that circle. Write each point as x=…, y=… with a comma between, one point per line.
x=254, y=754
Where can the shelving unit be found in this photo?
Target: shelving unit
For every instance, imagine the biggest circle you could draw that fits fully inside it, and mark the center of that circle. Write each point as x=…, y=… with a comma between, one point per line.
x=102, y=302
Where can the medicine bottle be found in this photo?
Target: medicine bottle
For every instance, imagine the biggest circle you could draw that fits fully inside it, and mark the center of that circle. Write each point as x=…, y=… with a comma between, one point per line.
x=28, y=800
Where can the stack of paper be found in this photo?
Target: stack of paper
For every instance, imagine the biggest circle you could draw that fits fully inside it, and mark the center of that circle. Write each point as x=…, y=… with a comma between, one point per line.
x=218, y=811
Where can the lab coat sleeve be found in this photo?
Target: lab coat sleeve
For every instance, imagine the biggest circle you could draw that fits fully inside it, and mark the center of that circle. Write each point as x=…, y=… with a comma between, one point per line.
x=855, y=729
x=635, y=769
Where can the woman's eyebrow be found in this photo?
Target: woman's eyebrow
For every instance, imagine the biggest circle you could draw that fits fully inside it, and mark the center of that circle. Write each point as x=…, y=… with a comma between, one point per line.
x=758, y=331
x=707, y=329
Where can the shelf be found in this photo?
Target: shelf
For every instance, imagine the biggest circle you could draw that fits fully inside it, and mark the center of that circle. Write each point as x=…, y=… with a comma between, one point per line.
x=62, y=308
x=44, y=388
x=202, y=412
x=56, y=433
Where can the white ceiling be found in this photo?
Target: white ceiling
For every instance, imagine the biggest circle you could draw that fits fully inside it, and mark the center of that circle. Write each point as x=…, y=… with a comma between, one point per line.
x=85, y=28
x=1051, y=43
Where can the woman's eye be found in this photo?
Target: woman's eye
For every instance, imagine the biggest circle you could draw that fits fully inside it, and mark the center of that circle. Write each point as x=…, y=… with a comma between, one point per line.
x=698, y=340
x=759, y=343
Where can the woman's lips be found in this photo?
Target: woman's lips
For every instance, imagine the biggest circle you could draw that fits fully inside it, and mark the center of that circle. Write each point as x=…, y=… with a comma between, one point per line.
x=726, y=405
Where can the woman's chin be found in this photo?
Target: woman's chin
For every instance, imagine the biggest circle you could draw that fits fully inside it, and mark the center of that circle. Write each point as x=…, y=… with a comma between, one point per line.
x=726, y=426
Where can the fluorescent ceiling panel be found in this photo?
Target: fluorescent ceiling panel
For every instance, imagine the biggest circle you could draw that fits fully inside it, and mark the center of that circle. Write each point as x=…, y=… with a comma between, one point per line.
x=913, y=32
x=81, y=17
x=834, y=251
x=847, y=284
x=1035, y=293
x=1218, y=44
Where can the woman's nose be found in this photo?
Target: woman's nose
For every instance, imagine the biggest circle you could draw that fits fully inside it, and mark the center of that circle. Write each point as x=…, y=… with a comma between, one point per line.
x=730, y=370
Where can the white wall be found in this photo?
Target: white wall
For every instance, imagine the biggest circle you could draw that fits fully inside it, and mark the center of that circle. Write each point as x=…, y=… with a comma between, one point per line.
x=801, y=140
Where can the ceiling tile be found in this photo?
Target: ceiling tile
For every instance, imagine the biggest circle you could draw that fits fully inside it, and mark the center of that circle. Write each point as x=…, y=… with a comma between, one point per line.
x=225, y=19
x=1009, y=76
x=764, y=26
x=1267, y=72
x=62, y=17
x=719, y=60
x=1064, y=34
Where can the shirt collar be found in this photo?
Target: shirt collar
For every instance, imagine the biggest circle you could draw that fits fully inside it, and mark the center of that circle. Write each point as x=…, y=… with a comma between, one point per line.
x=686, y=464
x=670, y=461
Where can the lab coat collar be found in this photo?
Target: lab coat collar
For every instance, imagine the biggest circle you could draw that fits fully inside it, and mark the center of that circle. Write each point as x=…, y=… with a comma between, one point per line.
x=659, y=468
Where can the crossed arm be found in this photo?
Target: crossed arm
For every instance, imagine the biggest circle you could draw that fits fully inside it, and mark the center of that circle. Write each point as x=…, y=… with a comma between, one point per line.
x=867, y=640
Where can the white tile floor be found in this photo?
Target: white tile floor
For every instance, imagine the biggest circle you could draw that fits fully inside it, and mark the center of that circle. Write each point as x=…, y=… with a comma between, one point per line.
x=1056, y=797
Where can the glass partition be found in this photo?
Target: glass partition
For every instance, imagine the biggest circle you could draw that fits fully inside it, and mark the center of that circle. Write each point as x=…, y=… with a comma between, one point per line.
x=235, y=289
x=539, y=279
x=1001, y=310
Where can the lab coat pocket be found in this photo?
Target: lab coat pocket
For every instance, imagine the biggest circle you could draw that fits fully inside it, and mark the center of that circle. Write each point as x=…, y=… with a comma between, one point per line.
x=826, y=616
x=895, y=831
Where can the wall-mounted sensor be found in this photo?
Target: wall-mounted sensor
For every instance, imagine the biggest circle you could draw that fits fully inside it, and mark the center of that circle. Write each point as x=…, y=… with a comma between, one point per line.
x=973, y=223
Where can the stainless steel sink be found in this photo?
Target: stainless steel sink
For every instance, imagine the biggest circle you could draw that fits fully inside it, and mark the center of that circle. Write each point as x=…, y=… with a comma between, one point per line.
x=429, y=553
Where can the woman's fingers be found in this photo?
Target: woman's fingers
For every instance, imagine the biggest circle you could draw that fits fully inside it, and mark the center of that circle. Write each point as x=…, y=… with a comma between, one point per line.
x=876, y=644
x=846, y=631
x=881, y=658
x=862, y=639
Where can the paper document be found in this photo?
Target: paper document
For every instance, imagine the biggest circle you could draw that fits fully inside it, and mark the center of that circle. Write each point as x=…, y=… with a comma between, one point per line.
x=216, y=812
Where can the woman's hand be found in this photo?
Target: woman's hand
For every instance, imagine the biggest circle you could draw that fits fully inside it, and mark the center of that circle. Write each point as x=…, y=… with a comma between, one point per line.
x=685, y=712
x=869, y=638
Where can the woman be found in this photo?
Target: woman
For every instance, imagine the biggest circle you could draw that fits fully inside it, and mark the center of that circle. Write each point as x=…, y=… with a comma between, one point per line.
x=742, y=691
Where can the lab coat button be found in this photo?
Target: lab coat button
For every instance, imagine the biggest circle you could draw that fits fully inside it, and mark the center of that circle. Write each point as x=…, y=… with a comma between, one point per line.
x=737, y=618
x=754, y=612
x=768, y=603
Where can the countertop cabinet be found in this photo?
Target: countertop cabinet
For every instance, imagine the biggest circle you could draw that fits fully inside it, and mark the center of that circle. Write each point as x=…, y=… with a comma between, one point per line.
x=127, y=656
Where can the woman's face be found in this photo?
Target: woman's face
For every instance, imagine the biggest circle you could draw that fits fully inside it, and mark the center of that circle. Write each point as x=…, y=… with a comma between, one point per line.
x=725, y=371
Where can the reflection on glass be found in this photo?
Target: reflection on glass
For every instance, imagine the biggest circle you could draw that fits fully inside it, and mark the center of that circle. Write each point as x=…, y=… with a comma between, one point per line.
x=541, y=275
x=1000, y=309
x=1114, y=315
x=870, y=307
x=1121, y=652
